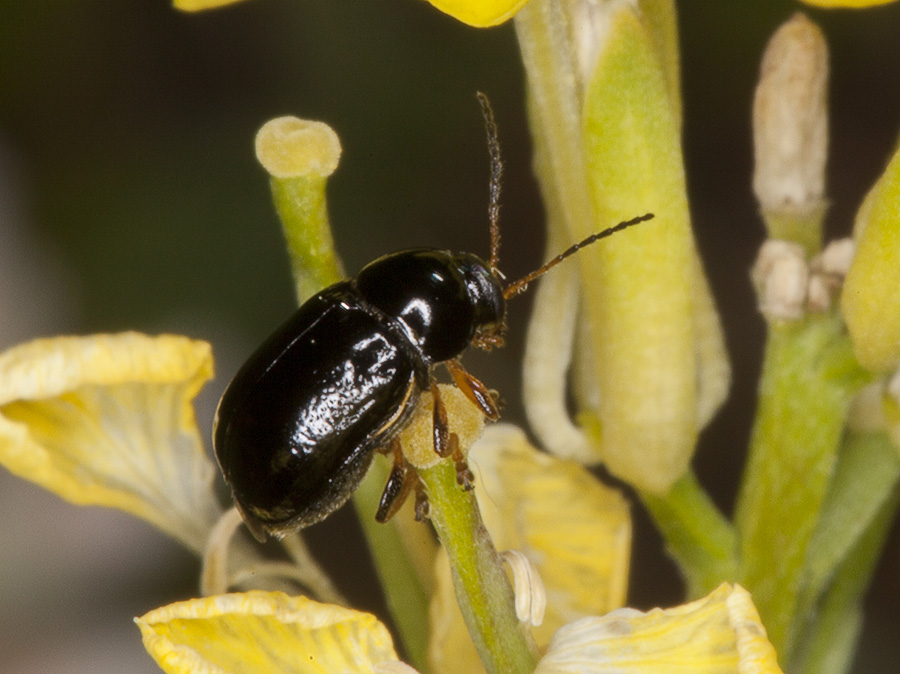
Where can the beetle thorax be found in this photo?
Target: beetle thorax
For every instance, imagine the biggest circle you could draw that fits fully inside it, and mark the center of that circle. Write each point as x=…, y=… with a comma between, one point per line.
x=441, y=300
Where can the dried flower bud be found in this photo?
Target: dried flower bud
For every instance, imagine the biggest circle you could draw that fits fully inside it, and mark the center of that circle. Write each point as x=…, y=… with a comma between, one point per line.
x=828, y=271
x=790, y=121
x=835, y=259
x=781, y=277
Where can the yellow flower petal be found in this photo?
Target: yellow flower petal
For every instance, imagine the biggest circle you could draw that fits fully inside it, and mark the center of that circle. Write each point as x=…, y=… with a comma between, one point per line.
x=259, y=632
x=200, y=5
x=108, y=420
x=527, y=499
x=720, y=634
x=480, y=13
x=852, y=4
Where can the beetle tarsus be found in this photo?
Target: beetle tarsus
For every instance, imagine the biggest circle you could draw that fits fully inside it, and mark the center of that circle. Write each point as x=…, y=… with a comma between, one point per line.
x=474, y=390
x=423, y=507
x=440, y=424
x=464, y=476
x=402, y=478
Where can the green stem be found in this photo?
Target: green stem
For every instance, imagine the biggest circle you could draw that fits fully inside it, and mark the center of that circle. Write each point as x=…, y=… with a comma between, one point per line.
x=300, y=203
x=809, y=378
x=865, y=478
x=484, y=593
x=404, y=594
x=803, y=228
x=697, y=535
x=833, y=635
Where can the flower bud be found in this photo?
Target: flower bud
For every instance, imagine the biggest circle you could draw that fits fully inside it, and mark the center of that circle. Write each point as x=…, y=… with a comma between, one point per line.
x=870, y=302
x=638, y=287
x=781, y=275
x=790, y=132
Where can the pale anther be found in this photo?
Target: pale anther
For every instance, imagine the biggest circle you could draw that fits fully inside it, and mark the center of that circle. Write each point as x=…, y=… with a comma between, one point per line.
x=531, y=598
x=893, y=387
x=828, y=270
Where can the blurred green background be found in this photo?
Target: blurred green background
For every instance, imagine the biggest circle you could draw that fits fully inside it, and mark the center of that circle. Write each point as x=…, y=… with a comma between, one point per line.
x=130, y=199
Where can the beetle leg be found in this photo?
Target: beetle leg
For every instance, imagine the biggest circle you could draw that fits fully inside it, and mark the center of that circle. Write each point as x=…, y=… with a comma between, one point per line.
x=474, y=390
x=402, y=478
x=464, y=476
x=422, y=506
x=439, y=422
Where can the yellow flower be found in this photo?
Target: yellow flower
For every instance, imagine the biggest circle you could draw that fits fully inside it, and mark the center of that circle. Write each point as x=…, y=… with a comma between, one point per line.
x=852, y=4
x=200, y=5
x=108, y=420
x=263, y=632
x=528, y=500
x=478, y=13
x=717, y=634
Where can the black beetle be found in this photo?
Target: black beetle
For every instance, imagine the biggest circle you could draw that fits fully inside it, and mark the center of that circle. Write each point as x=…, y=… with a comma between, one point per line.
x=298, y=426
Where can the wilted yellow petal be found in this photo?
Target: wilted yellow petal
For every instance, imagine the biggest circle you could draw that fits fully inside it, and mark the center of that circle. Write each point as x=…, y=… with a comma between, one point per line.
x=527, y=499
x=480, y=13
x=572, y=528
x=108, y=420
x=853, y=4
x=264, y=632
x=720, y=634
x=200, y=5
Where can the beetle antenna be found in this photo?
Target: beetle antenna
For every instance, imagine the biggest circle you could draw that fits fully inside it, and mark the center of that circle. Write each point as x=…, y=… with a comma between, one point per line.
x=519, y=286
x=496, y=173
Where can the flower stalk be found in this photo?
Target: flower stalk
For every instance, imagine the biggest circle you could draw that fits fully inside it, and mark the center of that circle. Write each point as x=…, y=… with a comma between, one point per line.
x=484, y=592
x=697, y=535
x=300, y=155
x=859, y=508
x=808, y=382
x=404, y=593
